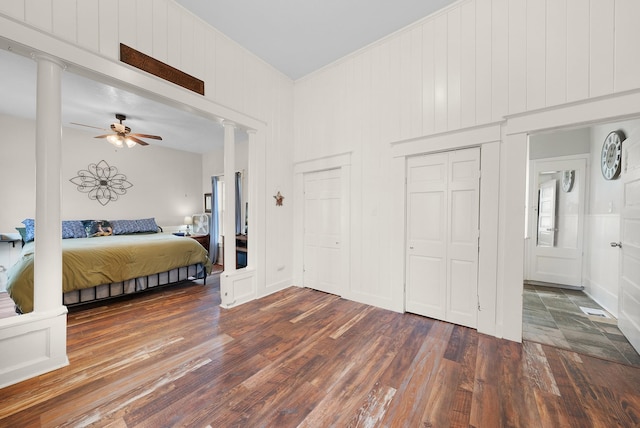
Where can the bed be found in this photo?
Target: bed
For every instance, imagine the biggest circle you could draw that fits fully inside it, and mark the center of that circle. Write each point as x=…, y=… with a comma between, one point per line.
x=101, y=267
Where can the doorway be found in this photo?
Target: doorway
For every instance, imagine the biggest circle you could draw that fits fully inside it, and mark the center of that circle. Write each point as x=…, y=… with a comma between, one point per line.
x=584, y=321
x=443, y=204
x=556, y=220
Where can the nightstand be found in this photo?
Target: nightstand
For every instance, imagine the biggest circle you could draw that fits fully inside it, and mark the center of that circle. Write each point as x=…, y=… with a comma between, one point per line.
x=202, y=240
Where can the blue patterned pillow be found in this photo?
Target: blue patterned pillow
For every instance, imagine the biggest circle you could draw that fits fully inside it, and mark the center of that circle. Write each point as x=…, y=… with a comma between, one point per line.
x=73, y=229
x=70, y=229
x=30, y=226
x=124, y=227
x=147, y=225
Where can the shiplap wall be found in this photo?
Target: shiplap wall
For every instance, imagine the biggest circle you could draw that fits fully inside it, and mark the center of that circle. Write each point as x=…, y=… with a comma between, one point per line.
x=471, y=64
x=234, y=78
x=166, y=31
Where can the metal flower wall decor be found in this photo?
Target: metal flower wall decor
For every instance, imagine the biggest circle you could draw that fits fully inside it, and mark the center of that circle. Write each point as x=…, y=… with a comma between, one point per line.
x=102, y=182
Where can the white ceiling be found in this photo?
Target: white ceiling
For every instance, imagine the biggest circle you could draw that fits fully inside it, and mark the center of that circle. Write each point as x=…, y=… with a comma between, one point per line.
x=296, y=37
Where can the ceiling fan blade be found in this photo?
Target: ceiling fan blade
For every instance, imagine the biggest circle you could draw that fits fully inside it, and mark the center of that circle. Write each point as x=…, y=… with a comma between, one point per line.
x=103, y=136
x=88, y=126
x=155, y=137
x=137, y=140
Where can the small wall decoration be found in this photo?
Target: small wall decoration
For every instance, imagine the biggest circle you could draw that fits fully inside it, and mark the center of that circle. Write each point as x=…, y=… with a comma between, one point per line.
x=568, y=177
x=102, y=182
x=207, y=202
x=279, y=198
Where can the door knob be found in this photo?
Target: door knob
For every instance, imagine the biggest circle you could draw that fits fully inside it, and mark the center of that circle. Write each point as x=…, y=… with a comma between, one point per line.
x=616, y=244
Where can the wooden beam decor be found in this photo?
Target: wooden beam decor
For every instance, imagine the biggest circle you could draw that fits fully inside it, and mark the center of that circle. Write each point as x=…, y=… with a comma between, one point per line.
x=164, y=71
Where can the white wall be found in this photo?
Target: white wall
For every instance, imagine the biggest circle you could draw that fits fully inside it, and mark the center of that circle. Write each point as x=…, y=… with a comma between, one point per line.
x=603, y=222
x=279, y=266
x=472, y=64
x=559, y=143
x=168, y=196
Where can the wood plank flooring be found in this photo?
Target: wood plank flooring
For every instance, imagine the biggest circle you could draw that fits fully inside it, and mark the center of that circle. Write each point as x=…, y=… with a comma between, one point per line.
x=304, y=358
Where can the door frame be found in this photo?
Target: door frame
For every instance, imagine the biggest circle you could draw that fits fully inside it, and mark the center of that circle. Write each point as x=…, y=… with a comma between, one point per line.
x=343, y=163
x=535, y=167
x=488, y=138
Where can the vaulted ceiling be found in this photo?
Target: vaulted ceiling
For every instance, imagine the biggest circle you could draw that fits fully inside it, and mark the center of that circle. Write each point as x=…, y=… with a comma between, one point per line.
x=295, y=37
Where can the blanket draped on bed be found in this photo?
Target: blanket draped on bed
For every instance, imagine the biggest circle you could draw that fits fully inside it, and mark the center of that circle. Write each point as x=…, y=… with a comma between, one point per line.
x=87, y=262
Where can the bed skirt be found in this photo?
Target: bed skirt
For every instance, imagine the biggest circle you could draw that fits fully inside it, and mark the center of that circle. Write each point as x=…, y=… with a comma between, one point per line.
x=135, y=285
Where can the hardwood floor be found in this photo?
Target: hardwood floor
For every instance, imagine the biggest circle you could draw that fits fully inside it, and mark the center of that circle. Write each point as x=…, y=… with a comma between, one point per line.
x=304, y=358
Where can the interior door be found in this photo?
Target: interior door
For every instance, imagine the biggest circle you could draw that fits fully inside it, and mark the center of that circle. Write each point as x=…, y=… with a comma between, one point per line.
x=547, y=213
x=442, y=237
x=629, y=293
x=322, y=231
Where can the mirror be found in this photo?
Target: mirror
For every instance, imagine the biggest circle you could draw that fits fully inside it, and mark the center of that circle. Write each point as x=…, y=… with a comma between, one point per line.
x=558, y=209
x=547, y=213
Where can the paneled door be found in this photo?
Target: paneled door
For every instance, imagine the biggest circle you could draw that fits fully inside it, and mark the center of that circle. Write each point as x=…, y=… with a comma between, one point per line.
x=322, y=231
x=629, y=293
x=443, y=203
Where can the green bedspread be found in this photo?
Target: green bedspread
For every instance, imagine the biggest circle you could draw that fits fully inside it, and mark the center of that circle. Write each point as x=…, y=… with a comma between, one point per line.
x=87, y=262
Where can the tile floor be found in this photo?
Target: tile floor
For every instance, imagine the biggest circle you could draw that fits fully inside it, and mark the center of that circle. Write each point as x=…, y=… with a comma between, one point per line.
x=552, y=316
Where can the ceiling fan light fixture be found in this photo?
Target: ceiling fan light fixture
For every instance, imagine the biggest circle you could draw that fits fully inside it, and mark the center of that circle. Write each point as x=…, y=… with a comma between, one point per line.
x=122, y=134
x=116, y=140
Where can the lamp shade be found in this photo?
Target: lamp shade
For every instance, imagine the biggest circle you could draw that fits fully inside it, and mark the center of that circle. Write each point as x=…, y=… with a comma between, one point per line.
x=188, y=220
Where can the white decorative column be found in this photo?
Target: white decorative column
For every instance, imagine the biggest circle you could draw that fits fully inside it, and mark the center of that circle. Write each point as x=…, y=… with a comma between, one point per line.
x=36, y=342
x=229, y=226
x=48, y=246
x=252, y=199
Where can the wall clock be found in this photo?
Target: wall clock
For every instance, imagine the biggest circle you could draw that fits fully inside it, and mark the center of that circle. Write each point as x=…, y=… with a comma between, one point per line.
x=568, y=177
x=611, y=157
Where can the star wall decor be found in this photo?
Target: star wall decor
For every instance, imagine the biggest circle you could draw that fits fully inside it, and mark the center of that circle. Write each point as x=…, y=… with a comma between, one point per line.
x=102, y=182
x=279, y=198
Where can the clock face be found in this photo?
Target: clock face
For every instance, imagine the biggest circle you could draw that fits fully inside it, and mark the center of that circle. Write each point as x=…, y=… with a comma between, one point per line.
x=611, y=158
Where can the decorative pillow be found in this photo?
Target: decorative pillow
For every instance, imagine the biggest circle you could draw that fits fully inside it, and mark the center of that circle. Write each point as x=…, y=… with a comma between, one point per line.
x=23, y=233
x=95, y=228
x=147, y=225
x=124, y=227
x=73, y=229
x=127, y=227
x=30, y=226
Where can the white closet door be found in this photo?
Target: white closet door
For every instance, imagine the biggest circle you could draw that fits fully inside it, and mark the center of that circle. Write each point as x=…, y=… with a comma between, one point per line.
x=322, y=231
x=442, y=236
x=427, y=224
x=462, y=245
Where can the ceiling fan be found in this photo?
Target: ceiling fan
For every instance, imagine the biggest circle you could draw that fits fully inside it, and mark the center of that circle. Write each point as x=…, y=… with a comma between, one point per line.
x=122, y=134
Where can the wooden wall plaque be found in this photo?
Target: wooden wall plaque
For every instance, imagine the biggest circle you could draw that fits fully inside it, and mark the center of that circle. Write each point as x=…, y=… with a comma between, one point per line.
x=164, y=71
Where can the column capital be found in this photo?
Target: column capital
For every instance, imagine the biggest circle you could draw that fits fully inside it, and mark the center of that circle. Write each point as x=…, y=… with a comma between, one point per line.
x=227, y=123
x=252, y=131
x=41, y=56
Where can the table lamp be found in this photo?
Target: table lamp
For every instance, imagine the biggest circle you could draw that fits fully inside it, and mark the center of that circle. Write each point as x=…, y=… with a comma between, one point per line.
x=188, y=220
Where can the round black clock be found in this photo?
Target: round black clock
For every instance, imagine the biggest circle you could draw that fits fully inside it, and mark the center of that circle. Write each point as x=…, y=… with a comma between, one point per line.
x=611, y=157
